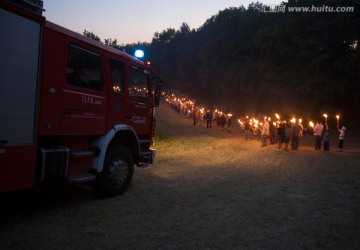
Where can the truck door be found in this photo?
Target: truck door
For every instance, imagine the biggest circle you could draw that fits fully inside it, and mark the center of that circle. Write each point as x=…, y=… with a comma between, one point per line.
x=138, y=105
x=84, y=102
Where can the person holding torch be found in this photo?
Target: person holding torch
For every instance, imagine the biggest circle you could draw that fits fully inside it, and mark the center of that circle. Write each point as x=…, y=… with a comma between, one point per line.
x=318, y=133
x=265, y=133
x=341, y=135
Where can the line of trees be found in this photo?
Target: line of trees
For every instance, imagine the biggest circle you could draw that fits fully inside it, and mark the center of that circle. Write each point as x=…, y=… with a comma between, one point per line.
x=248, y=60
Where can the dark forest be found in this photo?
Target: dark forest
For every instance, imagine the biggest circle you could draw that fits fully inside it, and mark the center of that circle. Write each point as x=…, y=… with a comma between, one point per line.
x=248, y=60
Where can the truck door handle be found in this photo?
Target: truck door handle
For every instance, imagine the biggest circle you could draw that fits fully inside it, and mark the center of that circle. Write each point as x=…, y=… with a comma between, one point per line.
x=128, y=116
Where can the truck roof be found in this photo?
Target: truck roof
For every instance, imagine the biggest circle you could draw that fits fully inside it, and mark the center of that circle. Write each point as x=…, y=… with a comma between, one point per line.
x=93, y=42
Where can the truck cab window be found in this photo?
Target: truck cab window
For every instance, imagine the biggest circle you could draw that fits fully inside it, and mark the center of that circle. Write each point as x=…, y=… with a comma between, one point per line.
x=138, y=85
x=117, y=71
x=84, y=68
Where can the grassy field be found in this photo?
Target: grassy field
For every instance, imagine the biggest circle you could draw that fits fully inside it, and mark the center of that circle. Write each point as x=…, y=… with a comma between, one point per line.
x=209, y=189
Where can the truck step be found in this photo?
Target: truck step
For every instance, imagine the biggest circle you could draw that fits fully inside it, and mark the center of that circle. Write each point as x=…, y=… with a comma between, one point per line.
x=81, y=178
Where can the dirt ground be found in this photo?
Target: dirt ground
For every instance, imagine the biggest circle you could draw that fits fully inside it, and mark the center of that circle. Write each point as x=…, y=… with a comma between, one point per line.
x=208, y=189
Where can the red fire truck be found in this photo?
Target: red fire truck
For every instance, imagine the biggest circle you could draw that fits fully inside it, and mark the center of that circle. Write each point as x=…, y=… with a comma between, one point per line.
x=72, y=110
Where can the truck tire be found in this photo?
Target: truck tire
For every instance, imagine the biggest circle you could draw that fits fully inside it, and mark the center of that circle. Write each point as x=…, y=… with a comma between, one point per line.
x=117, y=172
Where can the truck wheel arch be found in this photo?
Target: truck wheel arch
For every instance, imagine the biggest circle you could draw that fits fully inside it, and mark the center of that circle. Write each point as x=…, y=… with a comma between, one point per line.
x=121, y=134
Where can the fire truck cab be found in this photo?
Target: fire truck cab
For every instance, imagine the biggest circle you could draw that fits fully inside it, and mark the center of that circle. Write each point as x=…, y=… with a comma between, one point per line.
x=72, y=110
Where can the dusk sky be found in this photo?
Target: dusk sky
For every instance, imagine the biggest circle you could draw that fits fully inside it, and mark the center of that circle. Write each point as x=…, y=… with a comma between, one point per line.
x=133, y=21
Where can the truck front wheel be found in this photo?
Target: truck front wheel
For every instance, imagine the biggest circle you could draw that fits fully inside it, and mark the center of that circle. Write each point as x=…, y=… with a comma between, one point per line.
x=117, y=172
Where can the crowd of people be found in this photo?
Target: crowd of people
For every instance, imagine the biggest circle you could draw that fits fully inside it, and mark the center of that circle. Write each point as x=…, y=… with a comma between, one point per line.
x=282, y=133
x=322, y=135
x=199, y=116
x=285, y=134
x=290, y=133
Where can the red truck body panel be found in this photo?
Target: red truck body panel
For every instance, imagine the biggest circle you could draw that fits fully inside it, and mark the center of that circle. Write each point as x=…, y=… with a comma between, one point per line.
x=72, y=116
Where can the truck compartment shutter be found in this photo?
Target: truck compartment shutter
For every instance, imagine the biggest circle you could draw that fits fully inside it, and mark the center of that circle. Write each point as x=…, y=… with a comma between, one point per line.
x=19, y=69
